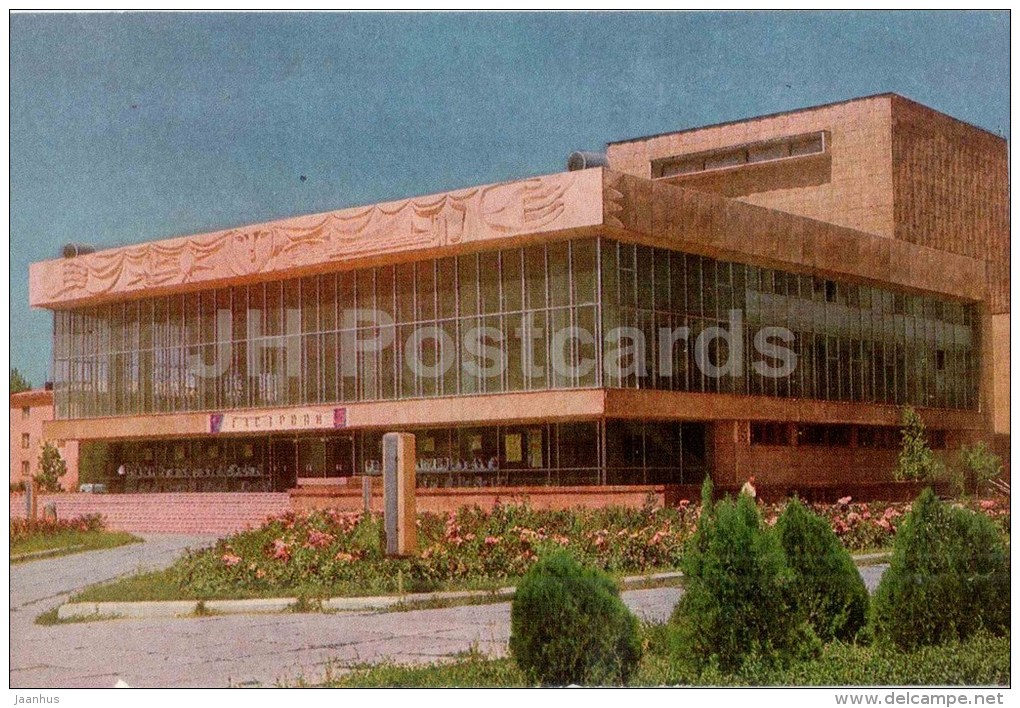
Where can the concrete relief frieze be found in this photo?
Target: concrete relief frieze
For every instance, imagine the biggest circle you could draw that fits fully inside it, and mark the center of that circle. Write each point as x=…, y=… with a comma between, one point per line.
x=538, y=204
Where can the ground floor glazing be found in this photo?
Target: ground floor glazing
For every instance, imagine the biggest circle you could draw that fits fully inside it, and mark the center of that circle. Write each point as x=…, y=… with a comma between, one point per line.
x=616, y=452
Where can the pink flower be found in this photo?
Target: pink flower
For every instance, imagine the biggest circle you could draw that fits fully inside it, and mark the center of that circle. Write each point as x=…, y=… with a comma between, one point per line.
x=230, y=560
x=491, y=541
x=319, y=539
x=987, y=504
x=684, y=503
x=281, y=551
x=844, y=501
x=656, y=537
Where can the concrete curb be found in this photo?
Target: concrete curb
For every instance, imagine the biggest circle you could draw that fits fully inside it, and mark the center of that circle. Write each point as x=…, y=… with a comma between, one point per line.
x=276, y=605
x=872, y=558
x=382, y=602
x=257, y=606
x=47, y=553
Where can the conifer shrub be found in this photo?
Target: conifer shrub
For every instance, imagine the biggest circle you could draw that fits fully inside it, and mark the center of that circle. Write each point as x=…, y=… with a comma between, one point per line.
x=948, y=579
x=827, y=587
x=738, y=600
x=51, y=468
x=568, y=625
x=916, y=460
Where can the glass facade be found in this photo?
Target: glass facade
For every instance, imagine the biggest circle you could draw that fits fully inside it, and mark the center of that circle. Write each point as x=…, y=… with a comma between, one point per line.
x=851, y=342
x=541, y=454
x=490, y=322
x=407, y=331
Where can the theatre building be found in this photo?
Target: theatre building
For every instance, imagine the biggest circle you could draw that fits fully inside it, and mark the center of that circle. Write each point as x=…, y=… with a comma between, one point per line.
x=758, y=298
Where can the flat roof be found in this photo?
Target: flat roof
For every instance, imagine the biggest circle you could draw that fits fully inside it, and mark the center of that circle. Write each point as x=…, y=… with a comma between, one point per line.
x=805, y=109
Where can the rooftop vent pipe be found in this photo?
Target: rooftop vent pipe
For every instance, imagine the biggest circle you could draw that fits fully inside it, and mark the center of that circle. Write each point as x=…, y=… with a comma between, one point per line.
x=581, y=160
x=73, y=250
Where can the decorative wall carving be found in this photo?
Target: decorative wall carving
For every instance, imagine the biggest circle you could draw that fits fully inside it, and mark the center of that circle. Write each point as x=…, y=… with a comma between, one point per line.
x=479, y=213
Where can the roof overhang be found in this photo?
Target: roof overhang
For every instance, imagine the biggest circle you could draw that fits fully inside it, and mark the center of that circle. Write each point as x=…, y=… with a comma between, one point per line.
x=568, y=204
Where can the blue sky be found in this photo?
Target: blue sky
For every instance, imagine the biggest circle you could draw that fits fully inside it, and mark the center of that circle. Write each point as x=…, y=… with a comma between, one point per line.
x=131, y=127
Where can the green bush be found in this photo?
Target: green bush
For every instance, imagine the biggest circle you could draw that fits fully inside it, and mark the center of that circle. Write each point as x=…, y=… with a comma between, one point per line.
x=979, y=465
x=982, y=660
x=949, y=578
x=827, y=587
x=738, y=602
x=568, y=625
x=916, y=460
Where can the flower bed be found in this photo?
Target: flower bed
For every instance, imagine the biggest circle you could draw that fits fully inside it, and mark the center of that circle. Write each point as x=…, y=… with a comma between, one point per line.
x=24, y=529
x=335, y=553
x=32, y=540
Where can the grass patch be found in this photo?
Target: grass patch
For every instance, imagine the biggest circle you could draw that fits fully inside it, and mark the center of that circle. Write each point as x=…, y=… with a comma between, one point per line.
x=50, y=618
x=67, y=542
x=470, y=670
x=980, y=661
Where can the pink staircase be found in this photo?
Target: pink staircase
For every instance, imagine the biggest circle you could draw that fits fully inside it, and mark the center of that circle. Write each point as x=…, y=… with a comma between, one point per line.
x=186, y=513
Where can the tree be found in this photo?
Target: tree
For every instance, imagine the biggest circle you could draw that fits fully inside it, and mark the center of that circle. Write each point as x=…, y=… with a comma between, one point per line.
x=980, y=465
x=51, y=468
x=18, y=382
x=916, y=460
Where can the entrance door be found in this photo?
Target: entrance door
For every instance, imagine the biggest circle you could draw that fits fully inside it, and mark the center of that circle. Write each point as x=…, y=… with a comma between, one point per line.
x=340, y=456
x=283, y=463
x=325, y=458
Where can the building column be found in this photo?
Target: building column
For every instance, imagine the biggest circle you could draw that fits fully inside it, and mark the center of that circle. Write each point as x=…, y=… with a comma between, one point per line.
x=723, y=439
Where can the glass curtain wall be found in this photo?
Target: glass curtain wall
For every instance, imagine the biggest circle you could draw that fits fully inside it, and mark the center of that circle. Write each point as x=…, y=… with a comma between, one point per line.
x=487, y=323
x=473, y=324
x=852, y=342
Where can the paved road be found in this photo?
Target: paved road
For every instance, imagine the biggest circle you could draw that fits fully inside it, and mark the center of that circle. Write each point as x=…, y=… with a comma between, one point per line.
x=236, y=649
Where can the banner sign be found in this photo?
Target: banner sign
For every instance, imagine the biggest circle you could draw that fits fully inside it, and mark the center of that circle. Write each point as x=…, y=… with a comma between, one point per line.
x=283, y=419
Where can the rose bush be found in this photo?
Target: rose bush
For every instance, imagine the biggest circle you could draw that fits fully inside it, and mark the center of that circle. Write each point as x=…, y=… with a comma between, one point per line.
x=329, y=549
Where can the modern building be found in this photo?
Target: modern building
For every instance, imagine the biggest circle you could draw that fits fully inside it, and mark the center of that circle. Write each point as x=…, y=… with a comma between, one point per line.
x=30, y=410
x=760, y=297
